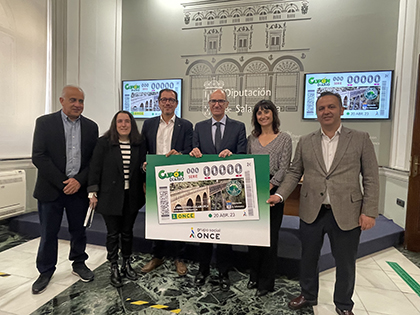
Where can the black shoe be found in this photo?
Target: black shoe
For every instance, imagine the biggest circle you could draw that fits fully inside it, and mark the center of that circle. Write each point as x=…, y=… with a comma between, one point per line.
x=115, y=278
x=85, y=274
x=200, y=278
x=127, y=271
x=224, y=282
x=251, y=285
x=41, y=283
x=261, y=293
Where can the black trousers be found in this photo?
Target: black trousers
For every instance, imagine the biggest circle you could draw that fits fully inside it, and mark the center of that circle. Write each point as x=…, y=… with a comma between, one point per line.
x=344, y=246
x=263, y=260
x=160, y=249
x=50, y=217
x=224, y=255
x=120, y=230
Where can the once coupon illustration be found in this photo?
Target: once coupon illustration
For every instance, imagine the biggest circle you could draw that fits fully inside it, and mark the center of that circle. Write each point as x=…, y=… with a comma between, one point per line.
x=207, y=192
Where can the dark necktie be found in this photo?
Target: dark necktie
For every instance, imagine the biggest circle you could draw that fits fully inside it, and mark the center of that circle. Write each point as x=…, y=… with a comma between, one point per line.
x=218, y=137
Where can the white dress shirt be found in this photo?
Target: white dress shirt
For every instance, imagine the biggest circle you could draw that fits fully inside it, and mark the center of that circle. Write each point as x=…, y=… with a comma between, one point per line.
x=164, y=135
x=329, y=147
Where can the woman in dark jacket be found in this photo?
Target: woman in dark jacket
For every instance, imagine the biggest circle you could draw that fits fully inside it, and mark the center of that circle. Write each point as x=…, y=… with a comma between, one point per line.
x=115, y=188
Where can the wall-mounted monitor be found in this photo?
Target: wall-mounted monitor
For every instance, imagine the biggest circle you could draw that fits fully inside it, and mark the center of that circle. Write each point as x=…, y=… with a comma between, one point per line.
x=140, y=97
x=365, y=94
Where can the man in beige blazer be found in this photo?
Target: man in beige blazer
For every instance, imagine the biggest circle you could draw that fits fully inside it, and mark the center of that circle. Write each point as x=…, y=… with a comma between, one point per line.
x=332, y=200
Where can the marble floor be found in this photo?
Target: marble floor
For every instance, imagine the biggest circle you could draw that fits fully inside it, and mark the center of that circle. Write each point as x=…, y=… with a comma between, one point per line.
x=379, y=289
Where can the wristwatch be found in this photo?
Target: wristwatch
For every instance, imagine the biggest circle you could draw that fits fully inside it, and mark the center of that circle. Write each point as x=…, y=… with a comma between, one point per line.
x=92, y=194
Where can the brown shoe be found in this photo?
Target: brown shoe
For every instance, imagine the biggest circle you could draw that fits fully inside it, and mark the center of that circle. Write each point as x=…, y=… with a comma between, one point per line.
x=151, y=265
x=181, y=267
x=343, y=312
x=300, y=302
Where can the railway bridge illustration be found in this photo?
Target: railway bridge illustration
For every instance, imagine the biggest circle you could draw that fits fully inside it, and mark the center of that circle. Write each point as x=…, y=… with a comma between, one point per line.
x=195, y=198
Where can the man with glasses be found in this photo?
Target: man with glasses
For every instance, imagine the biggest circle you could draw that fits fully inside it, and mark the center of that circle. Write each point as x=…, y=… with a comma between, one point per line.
x=223, y=136
x=167, y=134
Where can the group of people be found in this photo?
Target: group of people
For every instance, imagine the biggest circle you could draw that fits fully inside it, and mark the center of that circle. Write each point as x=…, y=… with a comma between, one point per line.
x=77, y=170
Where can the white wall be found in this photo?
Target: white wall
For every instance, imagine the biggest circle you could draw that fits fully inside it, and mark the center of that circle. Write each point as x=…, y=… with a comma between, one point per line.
x=23, y=41
x=93, y=55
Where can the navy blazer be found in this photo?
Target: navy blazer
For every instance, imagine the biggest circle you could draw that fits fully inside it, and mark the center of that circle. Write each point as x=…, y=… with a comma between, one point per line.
x=106, y=177
x=234, y=137
x=49, y=155
x=181, y=137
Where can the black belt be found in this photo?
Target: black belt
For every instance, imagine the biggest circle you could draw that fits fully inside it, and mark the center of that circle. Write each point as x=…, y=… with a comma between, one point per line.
x=326, y=206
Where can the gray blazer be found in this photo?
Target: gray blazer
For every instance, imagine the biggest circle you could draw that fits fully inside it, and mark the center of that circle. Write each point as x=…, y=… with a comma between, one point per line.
x=355, y=156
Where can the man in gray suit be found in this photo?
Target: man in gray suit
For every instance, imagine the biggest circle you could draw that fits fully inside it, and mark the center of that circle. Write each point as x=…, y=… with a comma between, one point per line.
x=331, y=199
x=223, y=136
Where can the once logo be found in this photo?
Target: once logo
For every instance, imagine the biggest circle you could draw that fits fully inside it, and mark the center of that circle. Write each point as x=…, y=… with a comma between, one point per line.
x=209, y=236
x=183, y=216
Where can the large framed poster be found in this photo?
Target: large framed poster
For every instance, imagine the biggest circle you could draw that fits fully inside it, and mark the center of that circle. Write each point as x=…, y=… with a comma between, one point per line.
x=208, y=199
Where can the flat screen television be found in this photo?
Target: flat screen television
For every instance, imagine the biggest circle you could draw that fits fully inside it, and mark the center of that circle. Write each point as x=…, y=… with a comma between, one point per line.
x=365, y=94
x=140, y=97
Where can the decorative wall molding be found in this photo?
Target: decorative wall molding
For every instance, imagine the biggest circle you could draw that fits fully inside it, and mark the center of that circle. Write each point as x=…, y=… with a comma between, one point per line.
x=275, y=36
x=216, y=13
x=236, y=62
x=247, y=82
x=391, y=173
x=242, y=38
x=212, y=40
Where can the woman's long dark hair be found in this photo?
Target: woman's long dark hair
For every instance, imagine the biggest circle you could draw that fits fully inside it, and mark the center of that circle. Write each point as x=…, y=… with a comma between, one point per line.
x=265, y=104
x=112, y=133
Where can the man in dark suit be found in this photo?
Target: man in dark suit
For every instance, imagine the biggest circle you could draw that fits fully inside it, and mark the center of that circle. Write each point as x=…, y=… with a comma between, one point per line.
x=62, y=147
x=223, y=136
x=168, y=135
x=331, y=199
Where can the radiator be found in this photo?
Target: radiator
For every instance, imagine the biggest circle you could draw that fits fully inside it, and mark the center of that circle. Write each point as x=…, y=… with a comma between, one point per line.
x=12, y=193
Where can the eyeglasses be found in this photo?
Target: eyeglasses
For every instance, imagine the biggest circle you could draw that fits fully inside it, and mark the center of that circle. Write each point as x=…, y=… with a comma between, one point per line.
x=213, y=102
x=170, y=100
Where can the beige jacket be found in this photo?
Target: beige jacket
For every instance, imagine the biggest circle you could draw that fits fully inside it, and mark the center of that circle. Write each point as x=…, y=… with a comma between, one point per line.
x=352, y=181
